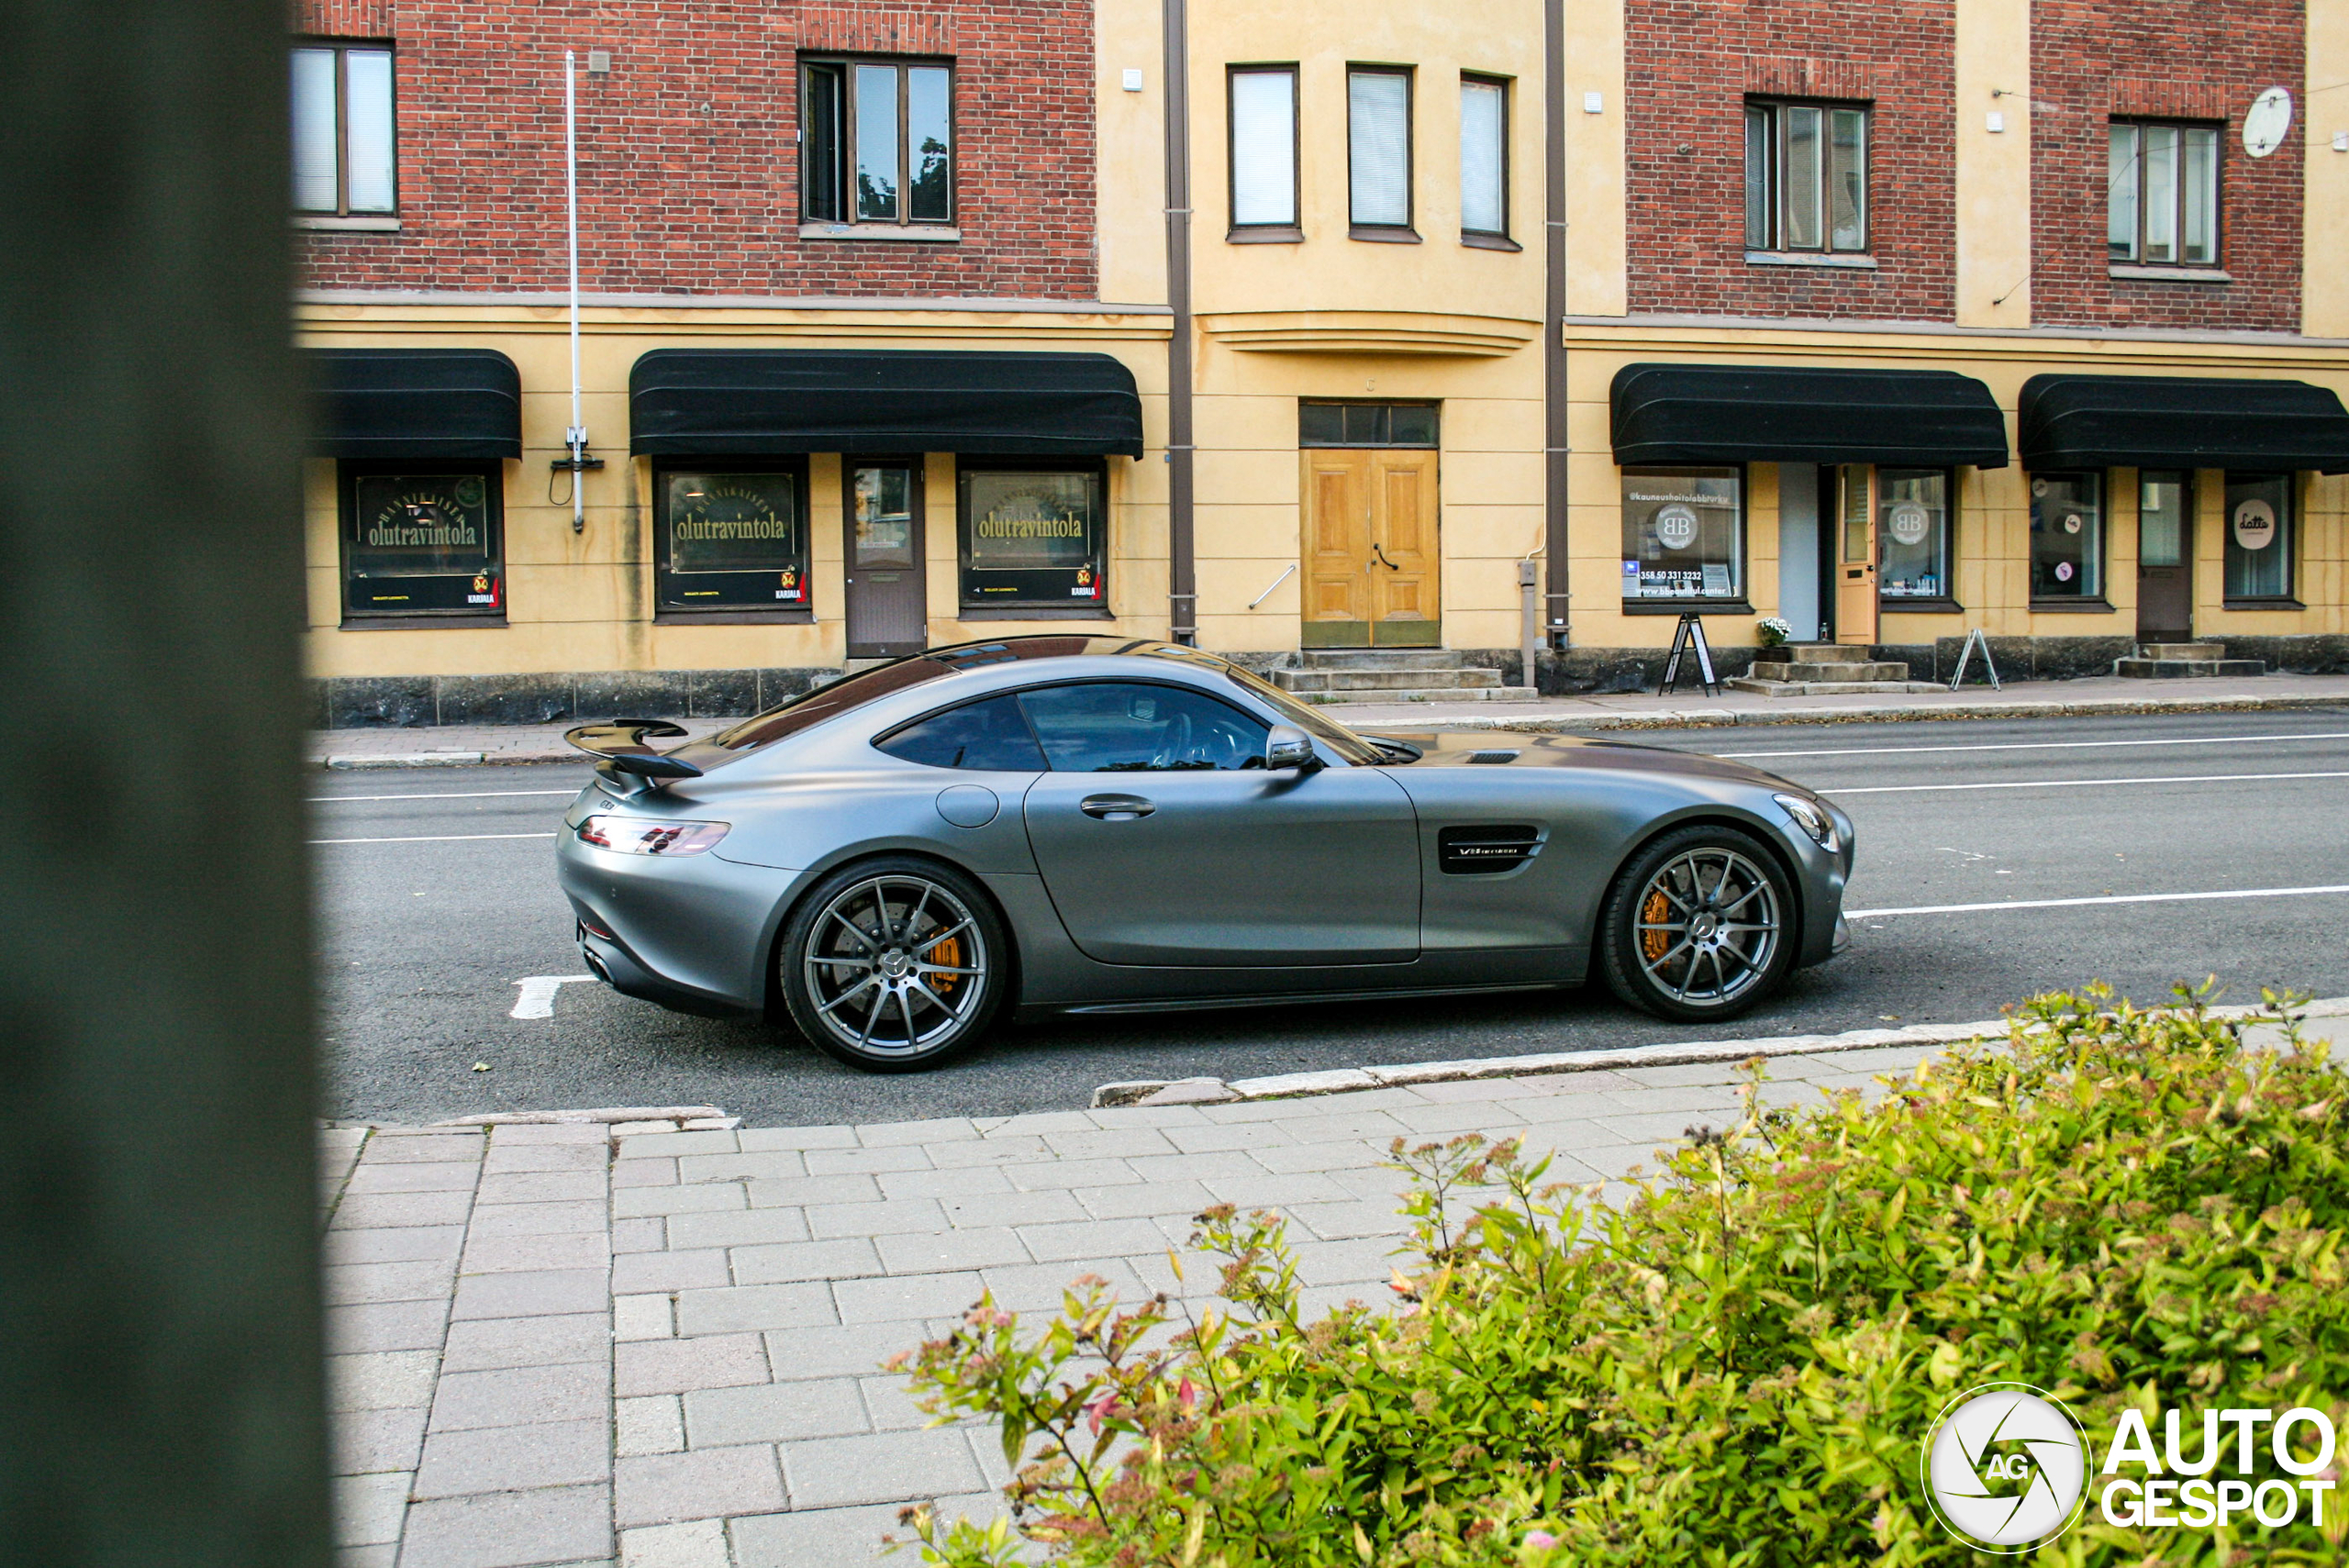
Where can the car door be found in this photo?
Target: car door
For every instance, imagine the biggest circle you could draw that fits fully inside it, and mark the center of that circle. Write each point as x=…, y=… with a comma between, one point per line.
x=1164, y=840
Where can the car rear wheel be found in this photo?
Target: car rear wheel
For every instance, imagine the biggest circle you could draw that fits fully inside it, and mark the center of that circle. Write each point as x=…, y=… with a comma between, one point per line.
x=1699, y=926
x=894, y=965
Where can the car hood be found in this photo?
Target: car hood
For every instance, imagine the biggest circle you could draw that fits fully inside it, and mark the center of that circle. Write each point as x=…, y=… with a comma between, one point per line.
x=1496, y=749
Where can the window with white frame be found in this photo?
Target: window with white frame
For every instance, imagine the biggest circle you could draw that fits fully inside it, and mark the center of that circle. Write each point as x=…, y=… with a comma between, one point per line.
x=345, y=159
x=1263, y=147
x=877, y=142
x=2163, y=194
x=1805, y=176
x=1378, y=148
x=1484, y=157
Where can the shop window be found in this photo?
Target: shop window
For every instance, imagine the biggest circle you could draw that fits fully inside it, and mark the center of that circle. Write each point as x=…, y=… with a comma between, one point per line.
x=2163, y=194
x=2260, y=538
x=344, y=157
x=1805, y=176
x=876, y=142
x=2066, y=535
x=732, y=541
x=422, y=541
x=1484, y=158
x=1912, y=533
x=1378, y=152
x=1033, y=537
x=1263, y=151
x=1684, y=534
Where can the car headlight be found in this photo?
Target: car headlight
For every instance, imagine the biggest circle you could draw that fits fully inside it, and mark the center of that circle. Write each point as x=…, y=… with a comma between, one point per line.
x=1811, y=818
x=651, y=835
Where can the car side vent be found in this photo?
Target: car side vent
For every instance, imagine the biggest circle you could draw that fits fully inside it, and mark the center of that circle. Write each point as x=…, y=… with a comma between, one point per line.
x=1482, y=852
x=1494, y=756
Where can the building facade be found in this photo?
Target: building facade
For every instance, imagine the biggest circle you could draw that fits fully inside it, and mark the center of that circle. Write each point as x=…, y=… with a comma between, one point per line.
x=899, y=328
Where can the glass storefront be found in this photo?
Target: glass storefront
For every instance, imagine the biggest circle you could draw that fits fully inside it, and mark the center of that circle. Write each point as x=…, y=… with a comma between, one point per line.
x=732, y=541
x=2260, y=539
x=1684, y=534
x=1033, y=538
x=2066, y=535
x=1912, y=532
x=422, y=543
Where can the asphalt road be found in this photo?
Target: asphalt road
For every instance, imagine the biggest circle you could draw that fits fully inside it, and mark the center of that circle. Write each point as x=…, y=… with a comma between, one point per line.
x=436, y=895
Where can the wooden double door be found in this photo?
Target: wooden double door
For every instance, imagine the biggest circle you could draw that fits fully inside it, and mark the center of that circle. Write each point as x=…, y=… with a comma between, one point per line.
x=1372, y=552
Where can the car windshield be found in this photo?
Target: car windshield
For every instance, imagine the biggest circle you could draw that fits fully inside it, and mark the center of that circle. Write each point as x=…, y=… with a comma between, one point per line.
x=1337, y=736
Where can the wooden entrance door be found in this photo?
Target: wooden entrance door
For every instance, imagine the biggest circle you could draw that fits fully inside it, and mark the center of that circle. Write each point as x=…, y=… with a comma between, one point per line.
x=1856, y=558
x=2164, y=556
x=887, y=609
x=1373, y=549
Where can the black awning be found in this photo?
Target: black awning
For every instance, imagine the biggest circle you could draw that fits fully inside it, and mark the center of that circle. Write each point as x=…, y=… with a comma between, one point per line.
x=415, y=403
x=1681, y=414
x=749, y=402
x=2171, y=421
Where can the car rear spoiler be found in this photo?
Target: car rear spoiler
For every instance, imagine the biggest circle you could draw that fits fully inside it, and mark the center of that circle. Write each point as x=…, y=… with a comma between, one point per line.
x=618, y=747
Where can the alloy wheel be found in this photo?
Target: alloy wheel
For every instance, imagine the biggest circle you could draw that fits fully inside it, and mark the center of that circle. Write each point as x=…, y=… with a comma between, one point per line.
x=1708, y=927
x=895, y=966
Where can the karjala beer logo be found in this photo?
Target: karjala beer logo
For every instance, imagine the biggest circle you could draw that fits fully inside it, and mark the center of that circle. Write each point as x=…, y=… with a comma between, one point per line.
x=2006, y=1467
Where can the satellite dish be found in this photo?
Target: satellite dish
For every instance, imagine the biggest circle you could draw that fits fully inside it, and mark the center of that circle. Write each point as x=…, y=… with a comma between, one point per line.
x=2266, y=122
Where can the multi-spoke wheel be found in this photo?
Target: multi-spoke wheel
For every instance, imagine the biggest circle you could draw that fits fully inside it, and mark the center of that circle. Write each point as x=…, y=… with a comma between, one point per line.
x=893, y=965
x=1700, y=925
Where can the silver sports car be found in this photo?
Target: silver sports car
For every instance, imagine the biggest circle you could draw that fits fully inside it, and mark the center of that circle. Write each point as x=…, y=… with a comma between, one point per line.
x=1099, y=825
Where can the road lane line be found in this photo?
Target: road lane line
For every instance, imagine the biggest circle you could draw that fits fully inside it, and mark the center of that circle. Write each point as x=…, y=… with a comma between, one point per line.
x=2037, y=746
x=2076, y=784
x=432, y=838
x=537, y=1000
x=2108, y=898
x=470, y=794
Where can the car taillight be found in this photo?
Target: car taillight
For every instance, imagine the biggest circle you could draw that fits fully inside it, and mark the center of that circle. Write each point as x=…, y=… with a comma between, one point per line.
x=646, y=835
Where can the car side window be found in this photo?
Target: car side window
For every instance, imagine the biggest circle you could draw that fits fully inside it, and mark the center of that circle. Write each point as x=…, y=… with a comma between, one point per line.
x=988, y=735
x=1111, y=727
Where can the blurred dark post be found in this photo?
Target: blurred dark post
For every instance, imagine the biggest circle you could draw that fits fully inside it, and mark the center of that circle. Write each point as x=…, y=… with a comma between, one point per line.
x=160, y=1401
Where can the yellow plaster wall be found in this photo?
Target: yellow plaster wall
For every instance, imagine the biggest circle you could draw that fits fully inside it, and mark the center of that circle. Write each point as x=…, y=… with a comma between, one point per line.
x=1130, y=144
x=2324, y=201
x=1597, y=249
x=1993, y=76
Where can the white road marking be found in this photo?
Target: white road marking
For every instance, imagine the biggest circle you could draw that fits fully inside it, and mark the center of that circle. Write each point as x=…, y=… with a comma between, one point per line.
x=2038, y=745
x=433, y=838
x=2108, y=898
x=2080, y=784
x=537, y=1000
x=467, y=794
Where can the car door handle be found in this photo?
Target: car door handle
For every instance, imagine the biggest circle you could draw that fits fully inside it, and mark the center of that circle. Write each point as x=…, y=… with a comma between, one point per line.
x=1116, y=807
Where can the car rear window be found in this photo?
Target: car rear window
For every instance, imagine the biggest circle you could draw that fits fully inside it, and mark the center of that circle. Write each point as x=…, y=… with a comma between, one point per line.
x=827, y=702
x=989, y=735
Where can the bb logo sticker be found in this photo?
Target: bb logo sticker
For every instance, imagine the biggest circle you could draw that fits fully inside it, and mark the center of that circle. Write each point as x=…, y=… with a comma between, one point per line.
x=1676, y=527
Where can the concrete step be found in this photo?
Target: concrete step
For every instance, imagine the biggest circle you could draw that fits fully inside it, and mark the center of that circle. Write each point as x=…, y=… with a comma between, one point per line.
x=2199, y=652
x=1819, y=652
x=1824, y=688
x=1383, y=659
x=2180, y=669
x=1386, y=679
x=1419, y=693
x=1821, y=671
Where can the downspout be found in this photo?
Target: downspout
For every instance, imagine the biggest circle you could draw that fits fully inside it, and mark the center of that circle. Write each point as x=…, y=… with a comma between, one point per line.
x=1182, y=577
x=1555, y=454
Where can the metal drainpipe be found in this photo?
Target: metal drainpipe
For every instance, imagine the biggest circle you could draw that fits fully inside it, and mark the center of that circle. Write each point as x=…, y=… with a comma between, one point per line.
x=1182, y=577
x=1554, y=349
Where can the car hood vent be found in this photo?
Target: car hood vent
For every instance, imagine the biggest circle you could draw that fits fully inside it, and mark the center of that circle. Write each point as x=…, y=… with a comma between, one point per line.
x=1494, y=756
x=1484, y=850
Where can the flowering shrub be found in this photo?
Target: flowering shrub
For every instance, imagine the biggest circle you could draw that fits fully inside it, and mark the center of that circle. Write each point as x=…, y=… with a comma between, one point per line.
x=1737, y=1366
x=1775, y=632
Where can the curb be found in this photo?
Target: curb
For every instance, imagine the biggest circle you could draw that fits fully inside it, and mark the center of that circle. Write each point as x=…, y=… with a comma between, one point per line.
x=624, y=1120
x=358, y=763
x=2086, y=709
x=1348, y=1080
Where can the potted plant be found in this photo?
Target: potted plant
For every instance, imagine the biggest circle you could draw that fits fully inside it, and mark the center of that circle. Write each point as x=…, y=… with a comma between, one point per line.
x=1775, y=632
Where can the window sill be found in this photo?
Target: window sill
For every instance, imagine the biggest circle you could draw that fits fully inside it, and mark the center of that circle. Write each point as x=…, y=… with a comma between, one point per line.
x=790, y=617
x=1490, y=242
x=1918, y=605
x=383, y=223
x=2080, y=606
x=1809, y=259
x=1033, y=612
x=1265, y=234
x=1686, y=607
x=920, y=233
x=2282, y=602
x=1380, y=233
x=423, y=621
x=2170, y=274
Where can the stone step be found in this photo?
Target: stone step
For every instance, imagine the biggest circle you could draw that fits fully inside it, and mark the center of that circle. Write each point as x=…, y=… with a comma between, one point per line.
x=1825, y=688
x=1852, y=672
x=1417, y=678
x=2201, y=652
x=1383, y=659
x=1818, y=652
x=2180, y=669
x=1419, y=693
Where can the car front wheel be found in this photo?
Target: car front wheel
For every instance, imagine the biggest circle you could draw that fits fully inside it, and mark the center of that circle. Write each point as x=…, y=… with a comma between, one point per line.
x=894, y=965
x=1700, y=925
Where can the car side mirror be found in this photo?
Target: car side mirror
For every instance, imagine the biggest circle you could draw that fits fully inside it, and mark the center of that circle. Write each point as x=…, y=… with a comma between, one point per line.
x=1285, y=747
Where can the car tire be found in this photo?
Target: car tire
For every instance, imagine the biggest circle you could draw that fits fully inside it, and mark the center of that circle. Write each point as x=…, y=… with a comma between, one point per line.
x=1700, y=925
x=894, y=965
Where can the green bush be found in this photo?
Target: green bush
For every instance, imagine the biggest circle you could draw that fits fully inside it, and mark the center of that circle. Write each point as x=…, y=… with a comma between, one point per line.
x=1735, y=1367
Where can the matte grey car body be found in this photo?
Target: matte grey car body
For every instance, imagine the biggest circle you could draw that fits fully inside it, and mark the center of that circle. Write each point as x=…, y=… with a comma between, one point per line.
x=1198, y=876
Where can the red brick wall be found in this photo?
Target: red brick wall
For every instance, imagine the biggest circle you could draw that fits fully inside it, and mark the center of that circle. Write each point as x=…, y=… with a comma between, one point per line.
x=2094, y=58
x=688, y=177
x=1689, y=65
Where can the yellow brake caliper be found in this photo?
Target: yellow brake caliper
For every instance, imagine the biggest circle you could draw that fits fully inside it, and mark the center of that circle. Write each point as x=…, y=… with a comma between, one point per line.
x=950, y=953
